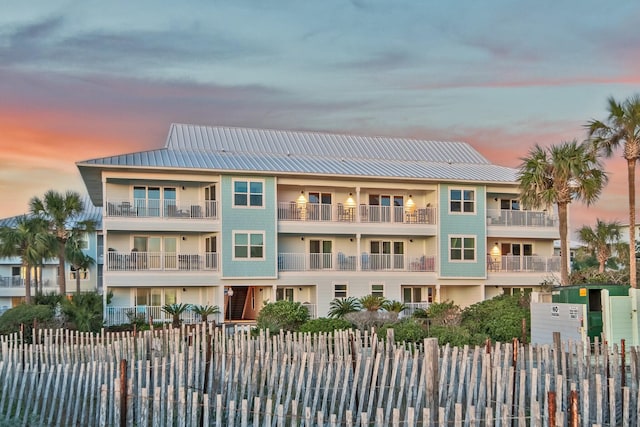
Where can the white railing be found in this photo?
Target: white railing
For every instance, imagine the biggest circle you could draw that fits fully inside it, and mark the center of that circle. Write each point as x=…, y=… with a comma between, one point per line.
x=508, y=218
x=162, y=208
x=143, y=261
x=528, y=263
x=294, y=211
x=146, y=313
x=345, y=262
x=18, y=282
x=412, y=307
x=312, y=309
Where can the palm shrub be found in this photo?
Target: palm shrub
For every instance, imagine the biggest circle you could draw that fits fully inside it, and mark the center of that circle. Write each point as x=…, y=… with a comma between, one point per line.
x=372, y=302
x=339, y=307
x=84, y=311
x=285, y=315
x=175, y=310
x=204, y=311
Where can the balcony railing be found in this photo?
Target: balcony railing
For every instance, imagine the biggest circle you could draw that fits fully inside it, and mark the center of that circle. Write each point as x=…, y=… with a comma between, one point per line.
x=508, y=218
x=121, y=315
x=144, y=261
x=162, y=209
x=524, y=264
x=412, y=307
x=312, y=309
x=345, y=262
x=18, y=282
x=293, y=211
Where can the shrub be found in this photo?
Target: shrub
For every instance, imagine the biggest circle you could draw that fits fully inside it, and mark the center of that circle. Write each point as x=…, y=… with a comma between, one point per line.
x=340, y=307
x=324, y=324
x=444, y=314
x=51, y=299
x=286, y=315
x=365, y=319
x=25, y=314
x=84, y=311
x=499, y=318
x=408, y=330
x=454, y=335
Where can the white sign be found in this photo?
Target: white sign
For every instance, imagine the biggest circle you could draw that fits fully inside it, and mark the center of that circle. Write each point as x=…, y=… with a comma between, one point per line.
x=573, y=312
x=555, y=311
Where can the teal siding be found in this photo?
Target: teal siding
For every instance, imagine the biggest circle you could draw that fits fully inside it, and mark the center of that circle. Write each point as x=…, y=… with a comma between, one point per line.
x=462, y=224
x=250, y=219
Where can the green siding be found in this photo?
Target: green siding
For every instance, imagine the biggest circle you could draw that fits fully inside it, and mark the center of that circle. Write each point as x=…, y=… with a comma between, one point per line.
x=462, y=224
x=250, y=219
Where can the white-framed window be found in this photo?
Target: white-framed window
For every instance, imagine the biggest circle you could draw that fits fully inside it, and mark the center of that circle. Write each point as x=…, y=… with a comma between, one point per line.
x=377, y=289
x=462, y=248
x=83, y=272
x=248, y=245
x=340, y=290
x=510, y=204
x=462, y=200
x=248, y=193
x=284, y=294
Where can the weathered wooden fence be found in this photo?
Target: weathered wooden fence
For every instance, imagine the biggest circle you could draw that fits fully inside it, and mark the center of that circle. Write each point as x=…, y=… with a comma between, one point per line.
x=211, y=376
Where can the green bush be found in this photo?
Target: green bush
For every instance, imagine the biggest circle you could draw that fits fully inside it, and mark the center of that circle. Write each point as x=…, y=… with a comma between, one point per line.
x=324, y=324
x=408, y=330
x=499, y=318
x=457, y=336
x=25, y=314
x=84, y=311
x=444, y=313
x=286, y=315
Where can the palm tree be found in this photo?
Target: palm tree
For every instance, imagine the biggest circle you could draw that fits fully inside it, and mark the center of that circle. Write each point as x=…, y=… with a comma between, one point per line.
x=372, y=302
x=175, y=310
x=62, y=213
x=394, y=306
x=600, y=240
x=622, y=128
x=77, y=258
x=341, y=306
x=558, y=175
x=205, y=310
x=28, y=240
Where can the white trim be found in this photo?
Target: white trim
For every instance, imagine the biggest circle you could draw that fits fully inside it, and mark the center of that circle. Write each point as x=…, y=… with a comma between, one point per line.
x=249, y=233
x=372, y=284
x=346, y=289
x=462, y=249
x=248, y=181
x=462, y=190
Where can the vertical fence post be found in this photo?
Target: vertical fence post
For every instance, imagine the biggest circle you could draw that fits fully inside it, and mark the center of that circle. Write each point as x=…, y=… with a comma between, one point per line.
x=574, y=421
x=551, y=404
x=123, y=392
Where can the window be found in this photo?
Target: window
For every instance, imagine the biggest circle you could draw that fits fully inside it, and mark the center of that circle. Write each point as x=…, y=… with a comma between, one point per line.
x=248, y=245
x=248, y=193
x=462, y=201
x=83, y=272
x=377, y=289
x=340, y=290
x=509, y=204
x=462, y=248
x=284, y=294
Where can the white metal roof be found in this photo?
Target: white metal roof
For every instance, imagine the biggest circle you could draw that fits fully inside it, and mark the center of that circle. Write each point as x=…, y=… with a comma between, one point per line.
x=279, y=152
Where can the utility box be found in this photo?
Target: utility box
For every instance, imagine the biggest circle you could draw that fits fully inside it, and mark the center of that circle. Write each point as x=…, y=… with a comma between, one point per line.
x=591, y=296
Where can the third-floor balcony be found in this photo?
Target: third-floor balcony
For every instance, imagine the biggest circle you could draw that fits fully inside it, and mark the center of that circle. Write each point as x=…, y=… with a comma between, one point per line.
x=347, y=262
x=339, y=212
x=516, y=218
x=524, y=264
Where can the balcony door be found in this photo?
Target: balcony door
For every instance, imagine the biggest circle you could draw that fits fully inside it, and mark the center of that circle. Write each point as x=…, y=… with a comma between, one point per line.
x=210, y=201
x=319, y=206
x=386, y=255
x=320, y=252
x=211, y=252
x=380, y=206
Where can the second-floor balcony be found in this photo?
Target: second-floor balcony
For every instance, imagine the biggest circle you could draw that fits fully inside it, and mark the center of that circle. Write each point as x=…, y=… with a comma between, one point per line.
x=515, y=218
x=145, y=261
x=293, y=211
x=146, y=208
x=18, y=282
x=346, y=262
x=524, y=264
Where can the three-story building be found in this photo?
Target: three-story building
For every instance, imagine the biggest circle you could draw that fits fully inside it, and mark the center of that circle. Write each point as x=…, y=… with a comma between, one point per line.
x=236, y=217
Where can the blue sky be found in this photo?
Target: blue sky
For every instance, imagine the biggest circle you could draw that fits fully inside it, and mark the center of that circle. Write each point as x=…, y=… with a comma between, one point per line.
x=85, y=79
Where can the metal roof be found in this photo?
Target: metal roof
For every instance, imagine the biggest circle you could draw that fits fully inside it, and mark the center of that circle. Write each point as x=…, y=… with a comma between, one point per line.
x=229, y=149
x=91, y=212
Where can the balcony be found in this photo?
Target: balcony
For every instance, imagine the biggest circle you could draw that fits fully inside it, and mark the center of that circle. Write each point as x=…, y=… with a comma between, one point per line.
x=345, y=262
x=524, y=264
x=509, y=218
x=141, y=208
x=121, y=315
x=314, y=212
x=18, y=282
x=146, y=261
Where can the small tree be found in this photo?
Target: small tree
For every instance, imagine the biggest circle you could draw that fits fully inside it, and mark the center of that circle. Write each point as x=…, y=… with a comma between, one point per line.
x=339, y=307
x=372, y=302
x=285, y=315
x=600, y=240
x=205, y=310
x=175, y=310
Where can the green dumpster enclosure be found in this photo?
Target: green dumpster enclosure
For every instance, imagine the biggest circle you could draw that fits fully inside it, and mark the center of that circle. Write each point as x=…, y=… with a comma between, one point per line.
x=590, y=295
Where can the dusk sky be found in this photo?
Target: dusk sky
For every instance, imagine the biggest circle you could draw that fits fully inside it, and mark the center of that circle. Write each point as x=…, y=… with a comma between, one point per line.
x=86, y=79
